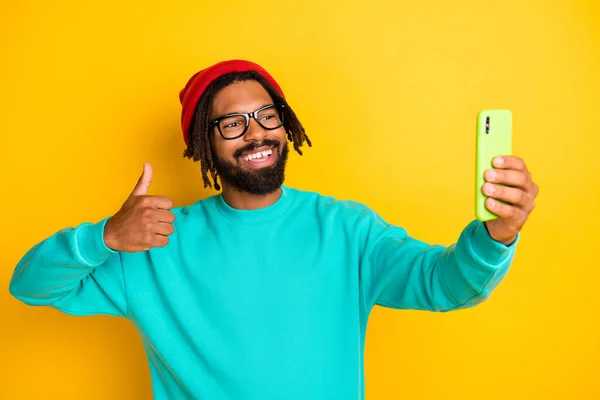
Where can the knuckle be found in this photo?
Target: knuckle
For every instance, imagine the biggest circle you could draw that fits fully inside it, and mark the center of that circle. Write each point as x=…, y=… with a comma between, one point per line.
x=147, y=213
x=162, y=241
x=518, y=162
x=148, y=237
x=523, y=198
x=523, y=180
x=523, y=214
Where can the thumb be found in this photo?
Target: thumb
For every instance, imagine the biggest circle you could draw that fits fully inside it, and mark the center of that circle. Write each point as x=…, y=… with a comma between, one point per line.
x=143, y=184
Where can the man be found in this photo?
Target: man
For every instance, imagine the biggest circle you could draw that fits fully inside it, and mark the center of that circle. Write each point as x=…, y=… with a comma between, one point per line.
x=263, y=291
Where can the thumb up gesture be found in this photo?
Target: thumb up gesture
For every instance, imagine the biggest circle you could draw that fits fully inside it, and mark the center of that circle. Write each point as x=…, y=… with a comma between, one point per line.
x=143, y=221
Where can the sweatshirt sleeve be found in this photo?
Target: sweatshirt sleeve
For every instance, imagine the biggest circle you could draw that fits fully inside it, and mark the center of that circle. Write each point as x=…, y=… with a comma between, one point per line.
x=73, y=271
x=405, y=273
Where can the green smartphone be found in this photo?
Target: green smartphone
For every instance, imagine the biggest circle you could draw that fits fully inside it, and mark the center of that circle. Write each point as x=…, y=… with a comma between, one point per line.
x=494, y=138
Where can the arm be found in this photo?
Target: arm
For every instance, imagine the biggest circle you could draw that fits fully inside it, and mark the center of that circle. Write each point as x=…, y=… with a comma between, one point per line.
x=402, y=272
x=74, y=272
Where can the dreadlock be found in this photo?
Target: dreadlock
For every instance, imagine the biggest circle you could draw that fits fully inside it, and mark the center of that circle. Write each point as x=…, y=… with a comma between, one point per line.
x=199, y=145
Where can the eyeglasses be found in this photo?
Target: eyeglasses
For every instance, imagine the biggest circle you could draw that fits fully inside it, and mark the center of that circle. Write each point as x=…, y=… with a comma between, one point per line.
x=233, y=126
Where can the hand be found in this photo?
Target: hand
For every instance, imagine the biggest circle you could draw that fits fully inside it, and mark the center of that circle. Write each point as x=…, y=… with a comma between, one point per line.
x=142, y=222
x=519, y=192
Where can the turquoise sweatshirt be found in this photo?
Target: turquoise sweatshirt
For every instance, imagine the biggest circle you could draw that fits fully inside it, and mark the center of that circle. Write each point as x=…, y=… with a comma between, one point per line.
x=265, y=304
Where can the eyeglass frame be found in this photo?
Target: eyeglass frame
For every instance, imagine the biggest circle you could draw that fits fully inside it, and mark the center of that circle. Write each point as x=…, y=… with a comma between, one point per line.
x=254, y=115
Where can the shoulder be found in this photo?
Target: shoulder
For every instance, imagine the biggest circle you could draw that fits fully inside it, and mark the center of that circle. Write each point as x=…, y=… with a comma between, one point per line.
x=200, y=209
x=329, y=205
x=352, y=218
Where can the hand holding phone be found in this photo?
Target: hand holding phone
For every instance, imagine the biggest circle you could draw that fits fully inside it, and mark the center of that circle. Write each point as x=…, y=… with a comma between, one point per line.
x=494, y=138
x=508, y=181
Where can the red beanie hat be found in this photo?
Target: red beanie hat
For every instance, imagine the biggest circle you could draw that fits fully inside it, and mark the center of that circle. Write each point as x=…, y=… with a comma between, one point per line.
x=195, y=87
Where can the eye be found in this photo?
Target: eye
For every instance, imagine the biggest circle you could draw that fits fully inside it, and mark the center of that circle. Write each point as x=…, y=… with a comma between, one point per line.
x=267, y=117
x=232, y=125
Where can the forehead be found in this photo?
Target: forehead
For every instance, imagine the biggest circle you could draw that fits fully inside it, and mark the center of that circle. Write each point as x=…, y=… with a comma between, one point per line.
x=245, y=96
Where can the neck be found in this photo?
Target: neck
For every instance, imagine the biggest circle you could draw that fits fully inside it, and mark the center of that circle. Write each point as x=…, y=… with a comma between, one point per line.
x=248, y=201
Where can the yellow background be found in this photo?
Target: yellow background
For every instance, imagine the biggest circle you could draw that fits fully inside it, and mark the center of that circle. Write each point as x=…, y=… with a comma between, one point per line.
x=388, y=92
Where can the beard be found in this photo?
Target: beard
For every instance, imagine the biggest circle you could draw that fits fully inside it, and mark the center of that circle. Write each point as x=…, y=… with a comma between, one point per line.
x=260, y=181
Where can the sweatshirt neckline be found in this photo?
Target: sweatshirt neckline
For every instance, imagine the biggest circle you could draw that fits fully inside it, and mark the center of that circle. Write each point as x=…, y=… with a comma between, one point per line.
x=264, y=214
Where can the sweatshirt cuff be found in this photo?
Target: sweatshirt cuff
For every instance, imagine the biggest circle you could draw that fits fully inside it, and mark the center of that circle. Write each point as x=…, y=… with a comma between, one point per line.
x=488, y=249
x=90, y=243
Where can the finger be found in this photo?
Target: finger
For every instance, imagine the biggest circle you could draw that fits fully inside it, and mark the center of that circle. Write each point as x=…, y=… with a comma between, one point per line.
x=509, y=162
x=160, y=241
x=143, y=183
x=508, y=194
x=153, y=216
x=506, y=211
x=165, y=216
x=163, y=228
x=509, y=177
x=158, y=202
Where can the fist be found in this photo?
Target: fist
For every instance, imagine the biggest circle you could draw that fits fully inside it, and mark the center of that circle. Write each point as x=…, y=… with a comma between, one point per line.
x=143, y=222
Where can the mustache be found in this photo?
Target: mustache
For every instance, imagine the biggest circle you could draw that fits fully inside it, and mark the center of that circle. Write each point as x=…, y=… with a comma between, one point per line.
x=256, y=145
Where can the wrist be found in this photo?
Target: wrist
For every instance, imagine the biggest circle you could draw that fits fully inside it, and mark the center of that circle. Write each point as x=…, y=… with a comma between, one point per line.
x=108, y=238
x=486, y=248
x=90, y=244
x=507, y=241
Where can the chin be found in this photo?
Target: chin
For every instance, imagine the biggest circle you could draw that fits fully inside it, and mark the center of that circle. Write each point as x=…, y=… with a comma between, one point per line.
x=261, y=177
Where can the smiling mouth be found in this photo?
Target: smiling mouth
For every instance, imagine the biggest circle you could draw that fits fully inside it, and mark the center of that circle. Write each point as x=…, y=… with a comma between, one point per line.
x=257, y=155
x=260, y=156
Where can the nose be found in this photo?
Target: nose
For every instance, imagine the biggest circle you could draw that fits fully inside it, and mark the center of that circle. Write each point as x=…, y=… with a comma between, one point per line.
x=255, y=132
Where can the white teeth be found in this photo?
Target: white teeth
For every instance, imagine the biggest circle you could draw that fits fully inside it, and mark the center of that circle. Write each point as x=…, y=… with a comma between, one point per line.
x=259, y=154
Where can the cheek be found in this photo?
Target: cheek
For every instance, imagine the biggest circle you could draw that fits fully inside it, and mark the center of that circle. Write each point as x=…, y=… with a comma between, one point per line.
x=281, y=135
x=225, y=148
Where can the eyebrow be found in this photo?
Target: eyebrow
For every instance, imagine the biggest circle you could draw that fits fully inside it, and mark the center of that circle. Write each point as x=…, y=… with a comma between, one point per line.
x=240, y=112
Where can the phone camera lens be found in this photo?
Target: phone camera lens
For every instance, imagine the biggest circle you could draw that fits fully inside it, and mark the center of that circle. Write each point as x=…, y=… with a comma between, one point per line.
x=487, y=124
